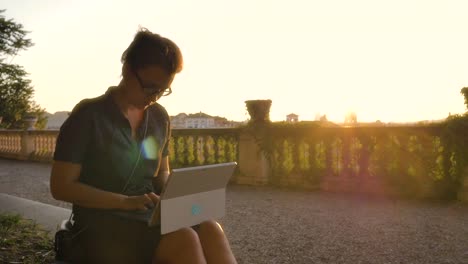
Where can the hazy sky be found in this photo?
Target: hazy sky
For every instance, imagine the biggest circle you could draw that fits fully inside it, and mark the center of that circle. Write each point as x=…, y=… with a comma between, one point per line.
x=399, y=60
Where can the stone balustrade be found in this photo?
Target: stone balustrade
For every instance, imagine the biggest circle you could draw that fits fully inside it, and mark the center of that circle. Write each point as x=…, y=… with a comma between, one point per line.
x=27, y=144
x=406, y=161
x=192, y=147
x=358, y=159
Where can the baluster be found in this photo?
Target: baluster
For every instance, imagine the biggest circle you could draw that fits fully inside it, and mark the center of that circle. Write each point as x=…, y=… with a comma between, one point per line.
x=189, y=145
x=346, y=149
x=171, y=148
x=205, y=149
x=180, y=150
x=38, y=146
x=17, y=143
x=176, y=154
x=321, y=159
x=364, y=156
x=235, y=147
x=50, y=147
x=378, y=159
x=227, y=149
x=328, y=146
x=5, y=143
x=2, y=143
x=11, y=144
x=43, y=146
x=35, y=142
x=356, y=156
x=337, y=156
x=209, y=150
x=222, y=142
x=295, y=157
x=200, y=150
x=231, y=149
x=216, y=149
x=8, y=143
x=279, y=157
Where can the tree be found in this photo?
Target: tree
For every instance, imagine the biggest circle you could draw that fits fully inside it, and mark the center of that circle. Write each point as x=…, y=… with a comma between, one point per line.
x=16, y=92
x=464, y=91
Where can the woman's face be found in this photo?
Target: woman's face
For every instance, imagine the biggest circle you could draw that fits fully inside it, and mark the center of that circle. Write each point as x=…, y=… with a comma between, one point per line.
x=147, y=85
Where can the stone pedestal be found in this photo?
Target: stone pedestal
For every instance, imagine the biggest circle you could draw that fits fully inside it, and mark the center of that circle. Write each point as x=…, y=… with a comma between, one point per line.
x=27, y=145
x=463, y=192
x=253, y=165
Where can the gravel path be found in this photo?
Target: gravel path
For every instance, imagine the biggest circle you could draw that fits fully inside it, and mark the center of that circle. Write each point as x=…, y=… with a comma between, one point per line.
x=268, y=225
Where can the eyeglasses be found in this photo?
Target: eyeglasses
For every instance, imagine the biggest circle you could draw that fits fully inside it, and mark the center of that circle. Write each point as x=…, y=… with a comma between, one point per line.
x=152, y=89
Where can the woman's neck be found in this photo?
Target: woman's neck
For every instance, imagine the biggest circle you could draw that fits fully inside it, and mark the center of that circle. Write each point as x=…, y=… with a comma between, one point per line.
x=120, y=97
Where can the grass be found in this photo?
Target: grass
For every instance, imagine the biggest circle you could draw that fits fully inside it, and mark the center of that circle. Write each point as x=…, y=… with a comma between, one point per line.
x=23, y=241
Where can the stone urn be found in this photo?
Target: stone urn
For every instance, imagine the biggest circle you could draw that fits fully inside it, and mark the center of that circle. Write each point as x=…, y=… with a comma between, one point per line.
x=30, y=121
x=259, y=111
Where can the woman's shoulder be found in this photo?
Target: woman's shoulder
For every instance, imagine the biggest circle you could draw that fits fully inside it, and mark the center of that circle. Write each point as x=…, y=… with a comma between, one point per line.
x=158, y=112
x=88, y=105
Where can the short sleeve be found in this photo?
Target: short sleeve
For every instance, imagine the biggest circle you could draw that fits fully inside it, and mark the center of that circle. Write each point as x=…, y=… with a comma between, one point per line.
x=164, y=120
x=165, y=151
x=74, y=136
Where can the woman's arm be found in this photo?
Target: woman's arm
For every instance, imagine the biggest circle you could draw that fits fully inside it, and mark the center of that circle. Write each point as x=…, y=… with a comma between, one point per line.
x=160, y=177
x=64, y=185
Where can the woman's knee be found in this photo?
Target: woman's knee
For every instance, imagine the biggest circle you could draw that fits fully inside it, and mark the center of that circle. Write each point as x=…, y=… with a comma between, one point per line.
x=210, y=228
x=215, y=244
x=179, y=247
x=186, y=236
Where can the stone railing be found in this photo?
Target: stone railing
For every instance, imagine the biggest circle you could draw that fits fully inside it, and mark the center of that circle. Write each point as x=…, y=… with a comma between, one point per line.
x=33, y=145
x=389, y=160
x=192, y=147
x=10, y=143
x=188, y=147
x=354, y=159
x=396, y=161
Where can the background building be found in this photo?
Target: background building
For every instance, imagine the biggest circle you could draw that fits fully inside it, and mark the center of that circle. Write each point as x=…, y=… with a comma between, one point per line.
x=201, y=120
x=55, y=121
x=292, y=118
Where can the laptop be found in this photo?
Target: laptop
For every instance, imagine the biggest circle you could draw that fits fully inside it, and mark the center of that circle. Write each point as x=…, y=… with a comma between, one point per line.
x=190, y=196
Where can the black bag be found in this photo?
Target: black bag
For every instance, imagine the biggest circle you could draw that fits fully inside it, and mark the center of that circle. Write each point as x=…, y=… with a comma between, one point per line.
x=63, y=242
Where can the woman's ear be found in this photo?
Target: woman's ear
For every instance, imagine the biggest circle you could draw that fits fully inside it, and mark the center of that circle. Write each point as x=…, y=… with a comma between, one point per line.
x=125, y=70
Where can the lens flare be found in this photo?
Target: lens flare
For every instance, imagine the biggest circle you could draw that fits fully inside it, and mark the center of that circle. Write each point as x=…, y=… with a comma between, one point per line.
x=150, y=148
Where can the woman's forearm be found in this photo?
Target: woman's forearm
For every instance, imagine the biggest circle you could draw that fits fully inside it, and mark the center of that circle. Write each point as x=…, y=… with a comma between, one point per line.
x=160, y=181
x=88, y=196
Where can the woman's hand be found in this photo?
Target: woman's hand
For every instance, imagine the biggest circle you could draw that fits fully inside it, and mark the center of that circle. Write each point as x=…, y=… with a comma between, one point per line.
x=141, y=202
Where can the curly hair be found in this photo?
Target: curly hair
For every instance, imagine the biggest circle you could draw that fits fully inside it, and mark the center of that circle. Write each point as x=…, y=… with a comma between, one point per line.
x=148, y=48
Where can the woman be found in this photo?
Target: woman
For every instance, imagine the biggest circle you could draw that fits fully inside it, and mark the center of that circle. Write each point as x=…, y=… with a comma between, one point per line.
x=112, y=156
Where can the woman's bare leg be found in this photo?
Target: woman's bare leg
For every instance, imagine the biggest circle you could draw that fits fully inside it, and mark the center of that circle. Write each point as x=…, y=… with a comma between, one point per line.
x=182, y=246
x=215, y=244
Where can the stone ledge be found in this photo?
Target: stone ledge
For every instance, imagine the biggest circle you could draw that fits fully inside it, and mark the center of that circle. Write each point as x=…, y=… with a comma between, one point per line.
x=48, y=216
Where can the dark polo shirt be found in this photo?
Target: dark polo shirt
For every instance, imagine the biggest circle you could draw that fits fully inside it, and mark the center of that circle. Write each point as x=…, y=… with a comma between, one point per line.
x=98, y=136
